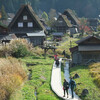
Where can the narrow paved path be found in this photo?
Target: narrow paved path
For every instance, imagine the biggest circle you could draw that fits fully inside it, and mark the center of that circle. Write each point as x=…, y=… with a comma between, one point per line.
x=56, y=84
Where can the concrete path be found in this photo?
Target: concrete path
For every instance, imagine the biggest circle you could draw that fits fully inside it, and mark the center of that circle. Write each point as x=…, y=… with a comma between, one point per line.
x=56, y=84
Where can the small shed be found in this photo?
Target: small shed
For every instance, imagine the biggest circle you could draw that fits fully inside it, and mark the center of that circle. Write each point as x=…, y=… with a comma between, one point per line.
x=8, y=38
x=36, y=38
x=88, y=50
x=57, y=36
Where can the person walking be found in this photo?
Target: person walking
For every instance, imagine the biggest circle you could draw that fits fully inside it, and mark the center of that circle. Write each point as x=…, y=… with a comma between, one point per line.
x=65, y=87
x=64, y=53
x=72, y=85
x=57, y=62
x=55, y=57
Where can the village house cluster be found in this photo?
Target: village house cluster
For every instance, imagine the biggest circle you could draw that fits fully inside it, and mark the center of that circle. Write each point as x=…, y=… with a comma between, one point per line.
x=26, y=24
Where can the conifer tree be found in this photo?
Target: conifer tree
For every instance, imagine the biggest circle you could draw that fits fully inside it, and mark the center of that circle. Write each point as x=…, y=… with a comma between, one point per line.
x=3, y=13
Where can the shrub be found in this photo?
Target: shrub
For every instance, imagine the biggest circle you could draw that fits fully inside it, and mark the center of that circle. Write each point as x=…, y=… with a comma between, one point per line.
x=20, y=51
x=16, y=48
x=37, y=51
x=20, y=48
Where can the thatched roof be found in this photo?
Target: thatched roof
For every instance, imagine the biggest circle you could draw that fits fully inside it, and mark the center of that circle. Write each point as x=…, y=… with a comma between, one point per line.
x=64, y=18
x=72, y=15
x=32, y=13
x=86, y=38
x=10, y=15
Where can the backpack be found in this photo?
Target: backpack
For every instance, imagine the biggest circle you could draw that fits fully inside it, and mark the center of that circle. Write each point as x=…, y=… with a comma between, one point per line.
x=67, y=85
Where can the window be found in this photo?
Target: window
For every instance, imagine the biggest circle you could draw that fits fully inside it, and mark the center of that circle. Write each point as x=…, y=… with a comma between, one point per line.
x=20, y=24
x=30, y=24
x=60, y=21
x=25, y=17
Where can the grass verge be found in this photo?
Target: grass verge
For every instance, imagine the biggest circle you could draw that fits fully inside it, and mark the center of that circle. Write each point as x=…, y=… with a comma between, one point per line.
x=85, y=82
x=39, y=81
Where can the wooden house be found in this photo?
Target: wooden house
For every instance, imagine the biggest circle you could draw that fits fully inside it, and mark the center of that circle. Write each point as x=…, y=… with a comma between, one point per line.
x=8, y=38
x=48, y=29
x=3, y=31
x=4, y=36
x=87, y=51
x=62, y=24
x=73, y=20
x=26, y=24
x=93, y=23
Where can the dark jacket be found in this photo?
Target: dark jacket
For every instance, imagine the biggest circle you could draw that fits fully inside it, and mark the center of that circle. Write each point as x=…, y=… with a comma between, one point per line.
x=65, y=85
x=57, y=62
x=72, y=84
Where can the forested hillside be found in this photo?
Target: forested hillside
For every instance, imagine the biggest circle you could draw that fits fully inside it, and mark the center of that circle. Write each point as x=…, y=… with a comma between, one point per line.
x=86, y=8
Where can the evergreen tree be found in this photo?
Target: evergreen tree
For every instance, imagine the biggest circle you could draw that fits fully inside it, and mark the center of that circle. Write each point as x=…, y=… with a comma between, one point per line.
x=3, y=13
x=45, y=16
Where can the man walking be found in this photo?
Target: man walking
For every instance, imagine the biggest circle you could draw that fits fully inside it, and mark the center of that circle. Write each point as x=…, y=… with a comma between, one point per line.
x=72, y=85
x=64, y=53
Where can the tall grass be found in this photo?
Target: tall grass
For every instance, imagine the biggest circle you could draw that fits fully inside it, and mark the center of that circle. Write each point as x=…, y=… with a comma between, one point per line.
x=66, y=44
x=95, y=72
x=12, y=76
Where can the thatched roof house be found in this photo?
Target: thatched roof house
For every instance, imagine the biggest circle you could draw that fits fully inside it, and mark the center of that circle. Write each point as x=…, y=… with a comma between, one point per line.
x=93, y=23
x=26, y=21
x=3, y=31
x=62, y=24
x=71, y=16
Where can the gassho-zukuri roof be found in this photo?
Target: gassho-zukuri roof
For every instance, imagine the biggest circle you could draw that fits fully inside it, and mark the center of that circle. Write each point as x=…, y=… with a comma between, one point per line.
x=39, y=33
x=31, y=12
x=72, y=15
x=66, y=20
x=64, y=17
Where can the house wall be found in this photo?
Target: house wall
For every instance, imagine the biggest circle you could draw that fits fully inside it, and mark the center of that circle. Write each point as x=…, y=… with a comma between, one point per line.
x=90, y=56
x=88, y=51
x=3, y=31
x=61, y=25
x=85, y=57
x=76, y=57
x=36, y=40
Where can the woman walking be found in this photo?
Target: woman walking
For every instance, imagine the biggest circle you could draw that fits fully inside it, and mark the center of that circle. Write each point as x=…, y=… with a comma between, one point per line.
x=65, y=87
